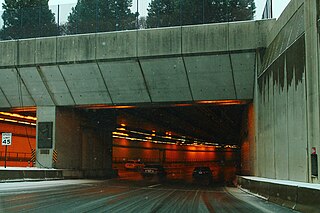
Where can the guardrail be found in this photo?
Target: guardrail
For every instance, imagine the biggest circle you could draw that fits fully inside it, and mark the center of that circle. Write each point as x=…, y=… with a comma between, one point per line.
x=122, y=160
x=16, y=156
x=291, y=195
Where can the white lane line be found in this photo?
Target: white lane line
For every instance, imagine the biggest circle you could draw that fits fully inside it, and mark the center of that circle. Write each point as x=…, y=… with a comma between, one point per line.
x=152, y=186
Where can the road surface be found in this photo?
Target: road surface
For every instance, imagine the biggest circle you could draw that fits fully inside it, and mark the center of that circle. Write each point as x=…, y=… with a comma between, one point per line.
x=127, y=195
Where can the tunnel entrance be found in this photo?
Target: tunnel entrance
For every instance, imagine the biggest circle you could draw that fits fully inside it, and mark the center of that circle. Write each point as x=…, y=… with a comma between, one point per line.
x=184, y=136
x=178, y=136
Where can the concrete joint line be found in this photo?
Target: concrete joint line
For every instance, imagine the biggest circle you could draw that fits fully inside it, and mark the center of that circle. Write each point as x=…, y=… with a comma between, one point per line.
x=46, y=85
x=187, y=76
x=4, y=95
x=20, y=83
x=104, y=82
x=65, y=82
x=144, y=80
x=233, y=80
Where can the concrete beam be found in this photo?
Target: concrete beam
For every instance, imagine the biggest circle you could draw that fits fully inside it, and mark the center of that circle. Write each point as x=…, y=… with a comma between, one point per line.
x=114, y=45
x=8, y=53
x=46, y=50
x=205, y=38
x=159, y=42
x=26, y=52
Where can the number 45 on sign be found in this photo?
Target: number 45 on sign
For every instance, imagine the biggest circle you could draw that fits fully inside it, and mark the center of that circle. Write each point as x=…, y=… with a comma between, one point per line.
x=6, y=139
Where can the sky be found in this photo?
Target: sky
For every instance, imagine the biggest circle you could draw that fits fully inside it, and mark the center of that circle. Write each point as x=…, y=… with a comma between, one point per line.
x=278, y=6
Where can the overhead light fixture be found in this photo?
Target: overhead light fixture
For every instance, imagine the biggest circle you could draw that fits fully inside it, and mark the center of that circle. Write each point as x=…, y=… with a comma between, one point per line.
x=223, y=102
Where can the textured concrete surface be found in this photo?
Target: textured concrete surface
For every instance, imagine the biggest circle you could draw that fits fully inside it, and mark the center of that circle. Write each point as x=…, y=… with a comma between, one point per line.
x=177, y=64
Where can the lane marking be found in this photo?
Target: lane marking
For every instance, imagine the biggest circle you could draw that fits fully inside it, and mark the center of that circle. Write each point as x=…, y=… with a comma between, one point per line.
x=152, y=186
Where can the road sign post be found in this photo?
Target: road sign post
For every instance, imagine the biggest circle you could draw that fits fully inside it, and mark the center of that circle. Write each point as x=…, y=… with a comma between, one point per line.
x=6, y=141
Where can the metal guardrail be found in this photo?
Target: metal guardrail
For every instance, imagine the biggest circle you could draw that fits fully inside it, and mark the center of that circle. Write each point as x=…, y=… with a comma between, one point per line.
x=16, y=156
x=233, y=162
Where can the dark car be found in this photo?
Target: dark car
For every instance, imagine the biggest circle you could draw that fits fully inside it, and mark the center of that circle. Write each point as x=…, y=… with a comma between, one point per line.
x=154, y=171
x=202, y=175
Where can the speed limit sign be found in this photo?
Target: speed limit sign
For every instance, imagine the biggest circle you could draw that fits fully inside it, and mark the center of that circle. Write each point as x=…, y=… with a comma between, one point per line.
x=6, y=139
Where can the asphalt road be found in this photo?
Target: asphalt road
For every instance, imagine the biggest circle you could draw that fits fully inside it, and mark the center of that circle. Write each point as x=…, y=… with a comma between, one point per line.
x=122, y=195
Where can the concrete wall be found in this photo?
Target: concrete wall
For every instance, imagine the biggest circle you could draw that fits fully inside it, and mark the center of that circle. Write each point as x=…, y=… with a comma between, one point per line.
x=312, y=78
x=282, y=127
x=82, y=141
x=287, y=100
x=68, y=143
x=248, y=144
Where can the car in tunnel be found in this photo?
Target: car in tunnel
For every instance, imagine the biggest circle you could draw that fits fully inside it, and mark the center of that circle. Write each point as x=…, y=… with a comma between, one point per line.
x=202, y=174
x=154, y=171
x=134, y=165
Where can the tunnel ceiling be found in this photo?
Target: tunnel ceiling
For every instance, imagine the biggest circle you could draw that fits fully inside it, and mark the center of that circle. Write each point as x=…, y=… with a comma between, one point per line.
x=215, y=124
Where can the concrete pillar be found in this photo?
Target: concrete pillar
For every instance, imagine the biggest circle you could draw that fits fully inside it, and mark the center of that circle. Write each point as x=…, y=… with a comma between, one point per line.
x=82, y=141
x=46, y=122
x=312, y=78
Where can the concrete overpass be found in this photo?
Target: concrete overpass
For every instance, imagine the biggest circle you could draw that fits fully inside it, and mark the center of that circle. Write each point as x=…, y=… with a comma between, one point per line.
x=275, y=63
x=178, y=64
x=157, y=66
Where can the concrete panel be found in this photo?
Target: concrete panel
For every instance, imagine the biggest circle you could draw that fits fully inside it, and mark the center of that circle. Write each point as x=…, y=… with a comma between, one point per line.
x=243, y=65
x=35, y=86
x=67, y=49
x=86, y=47
x=166, y=80
x=8, y=53
x=27, y=52
x=297, y=132
x=76, y=48
x=205, y=38
x=3, y=100
x=116, y=45
x=46, y=50
x=312, y=76
x=210, y=77
x=297, y=109
x=56, y=85
x=165, y=41
x=240, y=39
x=280, y=121
x=68, y=139
x=125, y=82
x=269, y=128
x=14, y=89
x=86, y=84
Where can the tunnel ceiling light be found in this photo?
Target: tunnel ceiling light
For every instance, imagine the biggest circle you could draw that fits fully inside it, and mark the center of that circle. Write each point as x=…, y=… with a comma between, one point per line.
x=23, y=109
x=121, y=129
x=17, y=121
x=140, y=135
x=120, y=133
x=105, y=106
x=18, y=116
x=224, y=102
